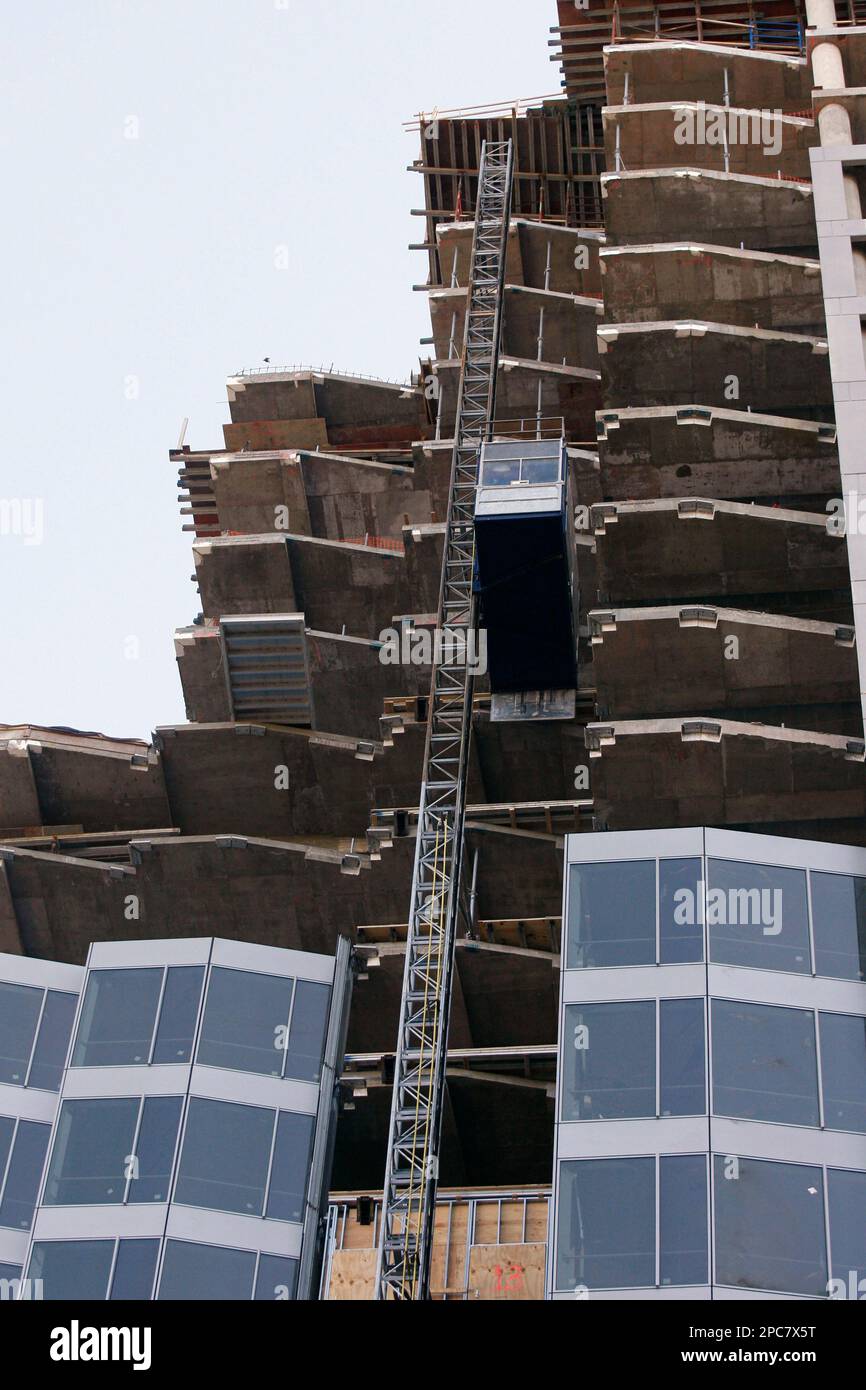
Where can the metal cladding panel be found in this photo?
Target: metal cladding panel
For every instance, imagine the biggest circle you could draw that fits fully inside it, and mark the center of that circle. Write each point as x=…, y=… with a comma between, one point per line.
x=267, y=668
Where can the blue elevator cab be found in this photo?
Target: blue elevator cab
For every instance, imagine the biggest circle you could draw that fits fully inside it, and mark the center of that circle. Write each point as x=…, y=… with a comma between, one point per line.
x=523, y=565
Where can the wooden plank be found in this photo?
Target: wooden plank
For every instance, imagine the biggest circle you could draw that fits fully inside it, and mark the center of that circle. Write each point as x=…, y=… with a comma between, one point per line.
x=507, y=1273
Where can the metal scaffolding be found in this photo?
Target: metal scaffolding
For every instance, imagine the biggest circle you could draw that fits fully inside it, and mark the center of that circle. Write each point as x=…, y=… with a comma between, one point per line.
x=403, y=1267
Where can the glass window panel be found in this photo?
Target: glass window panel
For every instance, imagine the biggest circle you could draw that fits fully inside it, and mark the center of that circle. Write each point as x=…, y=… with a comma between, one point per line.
x=179, y=1013
x=681, y=911
x=245, y=1021
x=757, y=915
x=682, y=1057
x=764, y=1063
x=309, y=1025
x=291, y=1162
x=117, y=1018
x=847, y=1201
x=843, y=1069
x=9, y=1277
x=611, y=914
x=206, y=1272
x=52, y=1042
x=609, y=1061
x=24, y=1175
x=683, y=1219
x=839, y=923
x=72, y=1269
x=277, y=1278
x=606, y=1224
x=94, y=1140
x=225, y=1155
x=7, y=1129
x=134, y=1269
x=500, y=472
x=769, y=1226
x=154, y=1149
x=539, y=470
x=19, y=1015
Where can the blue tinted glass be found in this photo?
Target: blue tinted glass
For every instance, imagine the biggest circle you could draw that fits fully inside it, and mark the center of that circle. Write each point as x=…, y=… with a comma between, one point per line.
x=847, y=1202
x=609, y=1061
x=206, y=1272
x=843, y=1068
x=307, y=1036
x=682, y=1053
x=839, y=922
x=49, y=1055
x=681, y=911
x=683, y=1232
x=9, y=1276
x=757, y=915
x=154, y=1149
x=245, y=1021
x=178, y=1014
x=19, y=1015
x=277, y=1279
x=769, y=1226
x=225, y=1156
x=134, y=1269
x=611, y=914
x=117, y=1018
x=7, y=1130
x=289, y=1171
x=72, y=1269
x=92, y=1148
x=24, y=1175
x=606, y=1224
x=764, y=1063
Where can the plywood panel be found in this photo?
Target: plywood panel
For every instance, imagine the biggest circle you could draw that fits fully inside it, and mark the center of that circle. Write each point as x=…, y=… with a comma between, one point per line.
x=353, y=1275
x=507, y=1272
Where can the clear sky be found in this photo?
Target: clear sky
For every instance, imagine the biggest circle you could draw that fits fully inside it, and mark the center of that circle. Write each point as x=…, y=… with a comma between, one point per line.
x=156, y=154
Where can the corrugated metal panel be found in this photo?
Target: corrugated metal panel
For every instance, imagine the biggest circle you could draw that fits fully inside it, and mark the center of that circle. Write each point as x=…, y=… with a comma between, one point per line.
x=267, y=668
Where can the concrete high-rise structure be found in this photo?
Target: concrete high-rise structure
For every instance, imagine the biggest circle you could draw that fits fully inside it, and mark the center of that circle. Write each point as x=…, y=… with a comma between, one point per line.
x=673, y=468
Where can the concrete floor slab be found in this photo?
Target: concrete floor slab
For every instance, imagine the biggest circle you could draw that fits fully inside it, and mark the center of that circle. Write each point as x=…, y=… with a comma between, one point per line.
x=559, y=326
x=680, y=361
x=274, y=409
x=719, y=659
x=540, y=254
x=652, y=773
x=695, y=548
x=759, y=212
x=334, y=583
x=678, y=451
x=570, y=393
x=57, y=777
x=668, y=134
x=670, y=69
x=722, y=284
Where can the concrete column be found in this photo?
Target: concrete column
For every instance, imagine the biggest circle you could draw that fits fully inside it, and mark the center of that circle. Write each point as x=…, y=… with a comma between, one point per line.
x=821, y=14
x=827, y=66
x=834, y=125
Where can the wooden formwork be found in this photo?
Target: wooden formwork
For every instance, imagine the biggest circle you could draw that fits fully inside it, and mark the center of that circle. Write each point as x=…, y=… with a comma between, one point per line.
x=489, y=1246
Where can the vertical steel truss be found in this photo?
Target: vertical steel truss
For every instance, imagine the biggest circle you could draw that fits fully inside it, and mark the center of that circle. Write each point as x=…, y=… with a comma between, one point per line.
x=403, y=1270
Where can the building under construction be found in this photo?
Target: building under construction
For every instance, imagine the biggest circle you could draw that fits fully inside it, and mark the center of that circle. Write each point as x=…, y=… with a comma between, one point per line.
x=539, y=679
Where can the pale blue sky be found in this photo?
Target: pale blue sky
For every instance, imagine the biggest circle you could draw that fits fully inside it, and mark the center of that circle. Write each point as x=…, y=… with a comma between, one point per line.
x=259, y=124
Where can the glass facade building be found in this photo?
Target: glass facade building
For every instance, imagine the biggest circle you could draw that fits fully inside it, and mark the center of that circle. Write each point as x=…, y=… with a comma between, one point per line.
x=183, y=1150
x=711, y=1088
x=38, y=1001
